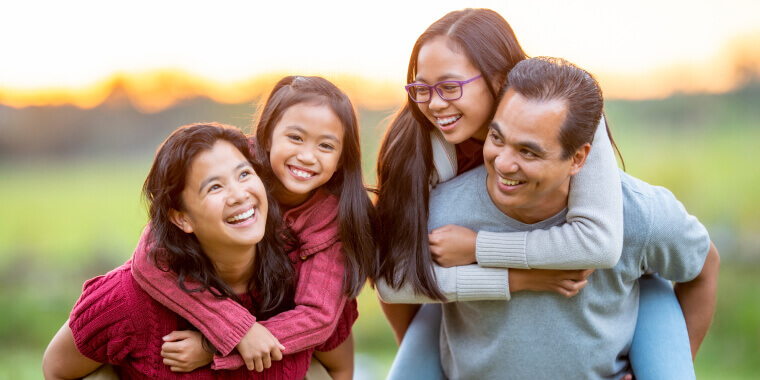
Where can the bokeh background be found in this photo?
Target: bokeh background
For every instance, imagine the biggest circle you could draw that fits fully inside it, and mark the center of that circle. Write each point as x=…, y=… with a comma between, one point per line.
x=89, y=89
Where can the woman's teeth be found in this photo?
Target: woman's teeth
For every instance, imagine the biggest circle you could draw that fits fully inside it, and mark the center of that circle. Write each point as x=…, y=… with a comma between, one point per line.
x=241, y=217
x=508, y=182
x=447, y=120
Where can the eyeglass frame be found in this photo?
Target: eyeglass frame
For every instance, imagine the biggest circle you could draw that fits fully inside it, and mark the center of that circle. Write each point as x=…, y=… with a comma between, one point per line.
x=461, y=84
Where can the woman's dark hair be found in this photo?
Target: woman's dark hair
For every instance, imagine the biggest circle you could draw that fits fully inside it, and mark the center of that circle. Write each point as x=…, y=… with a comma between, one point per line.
x=405, y=162
x=174, y=250
x=357, y=217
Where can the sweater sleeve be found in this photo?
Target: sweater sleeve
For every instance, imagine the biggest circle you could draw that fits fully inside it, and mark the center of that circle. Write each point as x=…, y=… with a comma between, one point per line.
x=343, y=329
x=223, y=321
x=319, y=299
x=458, y=284
x=593, y=234
x=101, y=319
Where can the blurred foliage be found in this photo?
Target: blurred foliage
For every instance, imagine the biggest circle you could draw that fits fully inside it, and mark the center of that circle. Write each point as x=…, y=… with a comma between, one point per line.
x=67, y=217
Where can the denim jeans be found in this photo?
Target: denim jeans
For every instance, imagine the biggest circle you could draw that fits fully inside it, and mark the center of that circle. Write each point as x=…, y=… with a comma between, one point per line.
x=660, y=347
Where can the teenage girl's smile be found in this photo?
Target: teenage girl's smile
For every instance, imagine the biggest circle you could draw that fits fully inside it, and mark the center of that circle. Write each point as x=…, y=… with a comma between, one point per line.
x=305, y=149
x=458, y=119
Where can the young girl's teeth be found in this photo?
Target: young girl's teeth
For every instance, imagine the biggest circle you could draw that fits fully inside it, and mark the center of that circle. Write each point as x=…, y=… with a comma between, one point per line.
x=302, y=173
x=242, y=216
x=448, y=120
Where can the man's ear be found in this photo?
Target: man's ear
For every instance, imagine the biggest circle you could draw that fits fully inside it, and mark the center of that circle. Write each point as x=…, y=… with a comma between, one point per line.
x=579, y=158
x=179, y=219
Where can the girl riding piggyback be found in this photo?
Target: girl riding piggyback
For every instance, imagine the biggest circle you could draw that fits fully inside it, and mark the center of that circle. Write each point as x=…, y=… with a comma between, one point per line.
x=307, y=139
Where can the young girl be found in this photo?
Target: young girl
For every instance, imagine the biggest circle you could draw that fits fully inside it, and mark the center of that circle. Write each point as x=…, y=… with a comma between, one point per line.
x=461, y=62
x=211, y=220
x=307, y=139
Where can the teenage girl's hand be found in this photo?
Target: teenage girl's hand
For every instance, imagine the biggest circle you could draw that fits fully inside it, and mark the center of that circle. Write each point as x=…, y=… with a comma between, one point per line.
x=452, y=245
x=565, y=282
x=259, y=347
x=183, y=351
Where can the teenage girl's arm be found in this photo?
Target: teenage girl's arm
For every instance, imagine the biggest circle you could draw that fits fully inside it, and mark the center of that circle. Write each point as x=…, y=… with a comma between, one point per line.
x=339, y=362
x=475, y=283
x=591, y=238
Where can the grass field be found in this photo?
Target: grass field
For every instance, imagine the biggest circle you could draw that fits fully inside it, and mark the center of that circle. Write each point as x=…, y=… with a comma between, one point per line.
x=64, y=222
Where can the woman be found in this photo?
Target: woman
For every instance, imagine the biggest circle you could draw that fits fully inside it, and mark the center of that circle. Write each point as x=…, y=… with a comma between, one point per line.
x=455, y=75
x=212, y=222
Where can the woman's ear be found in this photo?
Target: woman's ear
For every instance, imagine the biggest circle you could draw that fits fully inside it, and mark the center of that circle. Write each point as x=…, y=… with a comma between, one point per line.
x=179, y=219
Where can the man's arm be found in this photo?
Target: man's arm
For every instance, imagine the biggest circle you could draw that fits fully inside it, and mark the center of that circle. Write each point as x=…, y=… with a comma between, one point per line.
x=697, y=298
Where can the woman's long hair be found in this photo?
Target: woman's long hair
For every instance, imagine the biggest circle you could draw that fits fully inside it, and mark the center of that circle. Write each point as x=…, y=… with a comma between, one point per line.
x=357, y=217
x=405, y=161
x=179, y=252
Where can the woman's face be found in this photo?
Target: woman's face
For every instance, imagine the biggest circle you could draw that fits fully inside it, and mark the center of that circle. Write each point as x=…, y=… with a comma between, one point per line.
x=225, y=201
x=304, y=151
x=462, y=118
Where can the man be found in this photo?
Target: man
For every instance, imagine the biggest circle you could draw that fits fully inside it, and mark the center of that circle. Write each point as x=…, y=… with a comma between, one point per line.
x=539, y=138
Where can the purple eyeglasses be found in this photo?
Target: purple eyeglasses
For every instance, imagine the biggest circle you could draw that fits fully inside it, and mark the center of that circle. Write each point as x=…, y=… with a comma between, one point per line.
x=447, y=90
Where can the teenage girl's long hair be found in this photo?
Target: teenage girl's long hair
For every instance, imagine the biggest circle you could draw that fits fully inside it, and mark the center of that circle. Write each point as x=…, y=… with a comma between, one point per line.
x=357, y=217
x=179, y=252
x=405, y=161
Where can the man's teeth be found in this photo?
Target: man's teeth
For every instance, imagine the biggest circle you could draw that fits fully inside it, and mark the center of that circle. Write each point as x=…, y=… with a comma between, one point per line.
x=447, y=120
x=301, y=173
x=508, y=182
x=242, y=216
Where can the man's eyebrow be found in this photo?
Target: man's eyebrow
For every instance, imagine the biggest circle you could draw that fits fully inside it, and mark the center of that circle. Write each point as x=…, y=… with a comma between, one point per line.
x=495, y=126
x=532, y=146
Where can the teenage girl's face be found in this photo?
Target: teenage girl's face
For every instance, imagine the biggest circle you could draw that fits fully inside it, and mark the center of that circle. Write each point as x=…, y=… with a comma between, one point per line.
x=304, y=151
x=225, y=201
x=462, y=118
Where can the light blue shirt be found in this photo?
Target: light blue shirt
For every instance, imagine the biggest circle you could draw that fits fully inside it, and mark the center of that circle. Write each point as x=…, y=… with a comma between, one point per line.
x=544, y=334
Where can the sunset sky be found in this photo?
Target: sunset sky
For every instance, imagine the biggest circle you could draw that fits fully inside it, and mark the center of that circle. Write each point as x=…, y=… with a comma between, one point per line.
x=70, y=50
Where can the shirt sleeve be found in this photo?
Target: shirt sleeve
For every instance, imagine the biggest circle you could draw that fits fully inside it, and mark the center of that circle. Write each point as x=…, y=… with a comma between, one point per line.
x=223, y=321
x=593, y=234
x=100, y=321
x=319, y=299
x=345, y=325
x=678, y=242
x=458, y=284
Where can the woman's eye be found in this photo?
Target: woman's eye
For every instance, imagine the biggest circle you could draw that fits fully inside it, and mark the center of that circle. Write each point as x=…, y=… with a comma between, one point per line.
x=244, y=174
x=421, y=90
x=450, y=88
x=214, y=187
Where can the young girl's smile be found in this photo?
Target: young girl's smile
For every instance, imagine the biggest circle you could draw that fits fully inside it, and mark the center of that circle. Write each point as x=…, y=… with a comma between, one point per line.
x=224, y=200
x=305, y=149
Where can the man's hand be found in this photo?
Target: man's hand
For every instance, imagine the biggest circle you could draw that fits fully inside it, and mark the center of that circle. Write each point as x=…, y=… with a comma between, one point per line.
x=259, y=347
x=452, y=245
x=565, y=282
x=183, y=351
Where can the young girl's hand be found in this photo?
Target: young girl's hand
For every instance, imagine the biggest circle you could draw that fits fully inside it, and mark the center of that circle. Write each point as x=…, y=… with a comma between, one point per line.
x=565, y=282
x=259, y=347
x=452, y=245
x=183, y=351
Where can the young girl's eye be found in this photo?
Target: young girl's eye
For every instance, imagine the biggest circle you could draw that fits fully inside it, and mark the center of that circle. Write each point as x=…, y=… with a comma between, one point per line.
x=295, y=138
x=213, y=188
x=326, y=146
x=244, y=175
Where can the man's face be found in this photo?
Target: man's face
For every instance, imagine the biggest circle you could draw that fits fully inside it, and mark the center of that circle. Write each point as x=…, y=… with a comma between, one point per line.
x=527, y=178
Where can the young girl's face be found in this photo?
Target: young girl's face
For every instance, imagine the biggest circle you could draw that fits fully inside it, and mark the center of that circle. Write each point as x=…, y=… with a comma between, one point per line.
x=225, y=201
x=304, y=151
x=462, y=118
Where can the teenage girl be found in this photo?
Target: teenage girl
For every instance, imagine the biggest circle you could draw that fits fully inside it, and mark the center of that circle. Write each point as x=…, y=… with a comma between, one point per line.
x=462, y=61
x=211, y=220
x=308, y=142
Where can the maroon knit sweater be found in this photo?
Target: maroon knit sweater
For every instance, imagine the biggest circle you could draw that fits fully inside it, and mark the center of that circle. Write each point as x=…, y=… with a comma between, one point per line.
x=319, y=319
x=115, y=321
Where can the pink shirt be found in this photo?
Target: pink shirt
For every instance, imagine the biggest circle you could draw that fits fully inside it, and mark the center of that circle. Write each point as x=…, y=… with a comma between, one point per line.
x=319, y=319
x=115, y=321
